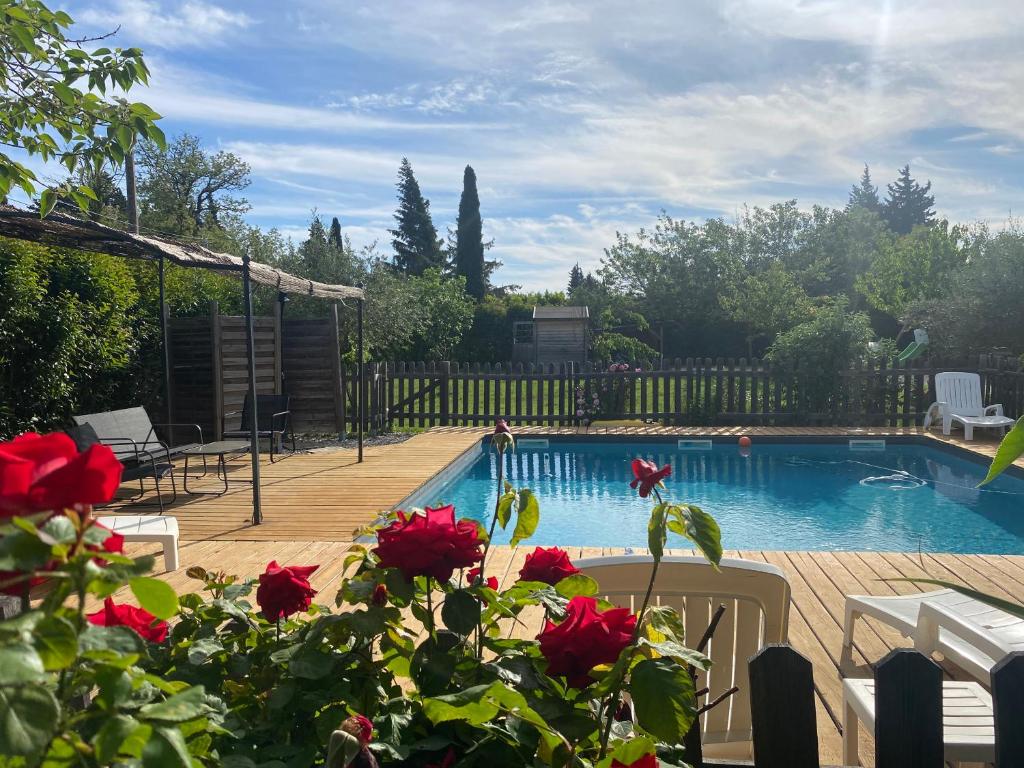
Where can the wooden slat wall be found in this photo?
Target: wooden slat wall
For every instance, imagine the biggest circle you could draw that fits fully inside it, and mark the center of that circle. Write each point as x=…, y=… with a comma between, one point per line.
x=192, y=373
x=309, y=350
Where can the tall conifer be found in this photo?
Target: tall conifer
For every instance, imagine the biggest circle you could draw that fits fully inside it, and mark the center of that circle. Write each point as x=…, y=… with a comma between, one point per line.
x=908, y=204
x=865, y=194
x=469, y=241
x=414, y=239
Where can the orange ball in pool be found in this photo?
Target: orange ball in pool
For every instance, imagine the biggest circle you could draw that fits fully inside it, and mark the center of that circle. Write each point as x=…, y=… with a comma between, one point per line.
x=744, y=442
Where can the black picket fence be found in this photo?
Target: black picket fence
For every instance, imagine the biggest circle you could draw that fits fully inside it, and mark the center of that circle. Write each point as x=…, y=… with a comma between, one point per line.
x=691, y=392
x=908, y=729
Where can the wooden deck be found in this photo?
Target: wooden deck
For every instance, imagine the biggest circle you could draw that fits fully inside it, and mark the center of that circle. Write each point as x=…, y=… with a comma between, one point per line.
x=819, y=581
x=313, y=501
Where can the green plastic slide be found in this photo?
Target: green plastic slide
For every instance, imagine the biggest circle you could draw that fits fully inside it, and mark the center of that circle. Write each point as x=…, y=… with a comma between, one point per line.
x=916, y=348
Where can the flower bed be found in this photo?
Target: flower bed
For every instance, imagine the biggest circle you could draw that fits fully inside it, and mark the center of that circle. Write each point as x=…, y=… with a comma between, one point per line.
x=260, y=673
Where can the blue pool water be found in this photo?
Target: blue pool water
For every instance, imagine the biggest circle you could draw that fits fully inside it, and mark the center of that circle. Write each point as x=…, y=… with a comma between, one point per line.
x=782, y=496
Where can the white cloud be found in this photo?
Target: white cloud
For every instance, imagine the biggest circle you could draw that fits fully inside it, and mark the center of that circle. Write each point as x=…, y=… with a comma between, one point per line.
x=190, y=24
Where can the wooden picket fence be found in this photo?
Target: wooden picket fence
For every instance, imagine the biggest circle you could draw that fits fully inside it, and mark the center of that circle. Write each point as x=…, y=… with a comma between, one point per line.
x=908, y=731
x=691, y=392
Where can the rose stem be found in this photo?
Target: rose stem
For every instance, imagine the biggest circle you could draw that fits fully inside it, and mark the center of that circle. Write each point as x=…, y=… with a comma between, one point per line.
x=487, y=544
x=614, y=704
x=430, y=611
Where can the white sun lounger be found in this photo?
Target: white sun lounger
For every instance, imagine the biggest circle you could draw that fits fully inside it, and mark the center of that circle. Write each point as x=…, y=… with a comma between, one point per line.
x=958, y=398
x=163, y=530
x=969, y=633
x=756, y=598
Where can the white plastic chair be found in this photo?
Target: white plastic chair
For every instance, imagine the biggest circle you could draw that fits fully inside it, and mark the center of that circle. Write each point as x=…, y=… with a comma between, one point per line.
x=756, y=598
x=958, y=398
x=969, y=633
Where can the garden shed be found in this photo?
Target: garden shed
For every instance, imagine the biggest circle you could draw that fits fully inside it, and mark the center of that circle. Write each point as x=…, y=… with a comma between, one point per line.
x=559, y=335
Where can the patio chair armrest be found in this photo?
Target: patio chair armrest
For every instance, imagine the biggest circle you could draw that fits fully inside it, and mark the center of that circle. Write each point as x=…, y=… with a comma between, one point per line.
x=141, y=454
x=939, y=407
x=198, y=429
x=275, y=416
x=994, y=410
x=933, y=617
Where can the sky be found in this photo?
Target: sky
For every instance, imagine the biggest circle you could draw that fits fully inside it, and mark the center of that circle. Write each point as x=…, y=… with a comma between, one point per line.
x=584, y=118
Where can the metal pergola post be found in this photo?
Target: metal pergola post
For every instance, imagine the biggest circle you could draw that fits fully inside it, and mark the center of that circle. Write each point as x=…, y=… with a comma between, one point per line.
x=165, y=343
x=254, y=440
x=360, y=367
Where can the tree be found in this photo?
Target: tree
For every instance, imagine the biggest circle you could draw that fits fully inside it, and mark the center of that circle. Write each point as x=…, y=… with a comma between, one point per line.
x=767, y=304
x=913, y=268
x=469, y=241
x=865, y=194
x=184, y=190
x=334, y=237
x=52, y=105
x=908, y=204
x=575, y=278
x=415, y=241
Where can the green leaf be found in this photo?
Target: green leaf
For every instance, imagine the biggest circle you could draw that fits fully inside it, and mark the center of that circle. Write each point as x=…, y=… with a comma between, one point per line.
x=59, y=530
x=1010, y=449
x=46, y=202
x=629, y=752
x=183, y=706
x=505, y=508
x=460, y=612
x=577, y=584
x=56, y=642
x=527, y=518
x=108, y=740
x=64, y=93
x=28, y=715
x=155, y=596
x=663, y=698
x=20, y=663
x=679, y=652
x=116, y=639
x=202, y=649
x=666, y=622
x=166, y=748
x=469, y=705
x=656, y=534
x=699, y=527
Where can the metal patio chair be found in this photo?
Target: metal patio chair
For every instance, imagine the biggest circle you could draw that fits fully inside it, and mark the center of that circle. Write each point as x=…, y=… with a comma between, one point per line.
x=273, y=414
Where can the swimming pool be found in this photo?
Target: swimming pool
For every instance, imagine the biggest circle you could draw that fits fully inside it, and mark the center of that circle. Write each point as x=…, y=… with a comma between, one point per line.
x=794, y=496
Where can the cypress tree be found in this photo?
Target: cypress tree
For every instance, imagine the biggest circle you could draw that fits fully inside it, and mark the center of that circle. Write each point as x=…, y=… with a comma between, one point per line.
x=865, y=194
x=575, y=278
x=469, y=241
x=334, y=238
x=908, y=204
x=415, y=238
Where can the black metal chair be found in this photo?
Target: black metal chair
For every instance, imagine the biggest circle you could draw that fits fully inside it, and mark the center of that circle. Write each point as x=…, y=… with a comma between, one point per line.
x=273, y=414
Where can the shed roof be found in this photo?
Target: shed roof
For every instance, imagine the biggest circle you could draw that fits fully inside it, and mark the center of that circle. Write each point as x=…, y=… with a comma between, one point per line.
x=69, y=232
x=561, y=313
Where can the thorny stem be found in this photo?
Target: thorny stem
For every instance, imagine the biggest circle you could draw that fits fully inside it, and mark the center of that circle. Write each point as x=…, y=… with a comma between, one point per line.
x=613, y=703
x=430, y=611
x=487, y=544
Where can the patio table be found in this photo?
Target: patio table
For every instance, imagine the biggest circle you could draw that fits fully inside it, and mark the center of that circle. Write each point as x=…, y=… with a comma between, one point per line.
x=221, y=449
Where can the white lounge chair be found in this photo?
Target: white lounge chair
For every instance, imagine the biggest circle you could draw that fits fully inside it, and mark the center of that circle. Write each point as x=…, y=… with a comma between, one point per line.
x=756, y=597
x=969, y=633
x=958, y=398
x=163, y=530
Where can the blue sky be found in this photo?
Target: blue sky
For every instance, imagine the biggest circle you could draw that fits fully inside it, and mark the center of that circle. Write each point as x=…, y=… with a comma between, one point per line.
x=586, y=118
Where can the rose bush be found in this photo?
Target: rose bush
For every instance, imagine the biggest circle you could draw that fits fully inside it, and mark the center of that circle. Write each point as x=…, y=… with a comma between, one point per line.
x=247, y=673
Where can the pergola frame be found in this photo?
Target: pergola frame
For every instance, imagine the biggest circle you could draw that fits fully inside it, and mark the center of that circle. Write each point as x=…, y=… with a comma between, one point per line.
x=82, y=234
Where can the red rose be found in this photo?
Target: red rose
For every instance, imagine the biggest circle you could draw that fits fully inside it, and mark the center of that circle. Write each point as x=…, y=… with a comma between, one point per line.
x=549, y=565
x=501, y=427
x=490, y=581
x=46, y=472
x=647, y=475
x=647, y=761
x=502, y=435
x=429, y=544
x=359, y=726
x=143, y=622
x=113, y=543
x=380, y=596
x=585, y=639
x=284, y=590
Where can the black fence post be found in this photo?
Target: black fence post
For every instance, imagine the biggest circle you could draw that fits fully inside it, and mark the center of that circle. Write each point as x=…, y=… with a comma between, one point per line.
x=782, y=709
x=908, y=711
x=1008, y=708
x=446, y=368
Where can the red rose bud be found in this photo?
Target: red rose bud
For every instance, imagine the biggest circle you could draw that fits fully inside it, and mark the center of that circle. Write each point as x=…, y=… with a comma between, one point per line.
x=585, y=639
x=430, y=543
x=502, y=438
x=359, y=726
x=647, y=761
x=39, y=473
x=143, y=622
x=473, y=574
x=647, y=475
x=549, y=565
x=380, y=596
x=285, y=590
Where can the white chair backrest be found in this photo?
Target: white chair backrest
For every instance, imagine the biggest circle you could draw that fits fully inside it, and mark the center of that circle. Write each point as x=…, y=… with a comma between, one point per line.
x=756, y=598
x=960, y=391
